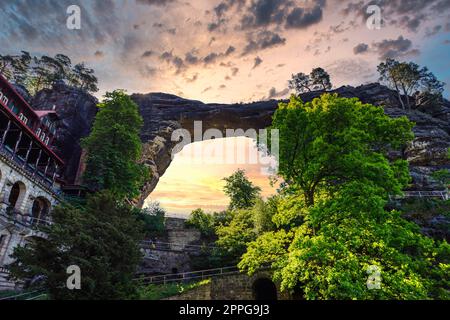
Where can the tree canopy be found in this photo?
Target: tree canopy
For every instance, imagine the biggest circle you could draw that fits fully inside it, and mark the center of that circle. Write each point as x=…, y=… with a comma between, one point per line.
x=333, y=236
x=407, y=77
x=37, y=73
x=101, y=238
x=114, y=147
x=318, y=79
x=331, y=141
x=241, y=191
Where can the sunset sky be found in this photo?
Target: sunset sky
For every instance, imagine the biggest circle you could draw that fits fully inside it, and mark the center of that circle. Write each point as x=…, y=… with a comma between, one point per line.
x=227, y=51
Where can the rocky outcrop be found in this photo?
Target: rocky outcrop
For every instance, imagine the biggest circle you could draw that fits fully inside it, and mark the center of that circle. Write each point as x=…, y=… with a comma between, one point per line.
x=164, y=113
x=76, y=110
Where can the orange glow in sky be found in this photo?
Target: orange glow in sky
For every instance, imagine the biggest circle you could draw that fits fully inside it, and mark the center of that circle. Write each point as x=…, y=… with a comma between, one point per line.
x=190, y=182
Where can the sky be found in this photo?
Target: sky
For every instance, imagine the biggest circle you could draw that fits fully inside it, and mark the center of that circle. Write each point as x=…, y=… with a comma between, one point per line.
x=228, y=51
x=194, y=179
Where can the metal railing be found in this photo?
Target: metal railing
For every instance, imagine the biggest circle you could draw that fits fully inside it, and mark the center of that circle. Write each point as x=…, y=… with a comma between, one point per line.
x=444, y=195
x=188, y=276
x=4, y=270
x=24, y=220
x=174, y=246
x=32, y=295
x=38, y=176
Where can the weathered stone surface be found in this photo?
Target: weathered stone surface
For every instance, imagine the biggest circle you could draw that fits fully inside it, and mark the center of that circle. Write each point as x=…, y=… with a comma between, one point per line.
x=164, y=113
x=230, y=287
x=173, y=256
x=77, y=110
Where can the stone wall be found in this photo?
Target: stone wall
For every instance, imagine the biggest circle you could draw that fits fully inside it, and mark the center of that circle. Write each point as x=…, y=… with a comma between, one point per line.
x=163, y=261
x=15, y=226
x=202, y=292
x=229, y=287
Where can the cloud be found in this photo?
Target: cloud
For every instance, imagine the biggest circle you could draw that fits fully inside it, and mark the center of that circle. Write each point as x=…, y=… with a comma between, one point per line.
x=262, y=40
x=406, y=14
x=360, y=48
x=160, y=3
x=394, y=48
x=300, y=18
x=193, y=79
x=258, y=61
x=173, y=60
x=274, y=94
x=230, y=50
x=99, y=54
x=148, y=53
x=278, y=12
x=147, y=71
x=210, y=58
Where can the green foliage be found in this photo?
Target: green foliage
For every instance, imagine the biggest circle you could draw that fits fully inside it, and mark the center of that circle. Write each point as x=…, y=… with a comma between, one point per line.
x=153, y=217
x=330, y=253
x=245, y=225
x=241, y=191
x=102, y=239
x=331, y=141
x=332, y=227
x=37, y=73
x=161, y=291
x=113, y=147
x=202, y=221
x=406, y=78
x=233, y=238
x=443, y=176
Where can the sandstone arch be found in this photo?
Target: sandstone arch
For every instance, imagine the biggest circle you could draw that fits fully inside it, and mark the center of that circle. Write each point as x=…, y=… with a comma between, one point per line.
x=164, y=113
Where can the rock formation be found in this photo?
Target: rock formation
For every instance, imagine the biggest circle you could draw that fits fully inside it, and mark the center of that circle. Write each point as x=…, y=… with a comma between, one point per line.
x=164, y=113
x=76, y=110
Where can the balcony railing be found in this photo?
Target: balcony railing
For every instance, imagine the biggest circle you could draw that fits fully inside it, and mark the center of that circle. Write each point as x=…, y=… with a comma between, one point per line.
x=25, y=220
x=37, y=175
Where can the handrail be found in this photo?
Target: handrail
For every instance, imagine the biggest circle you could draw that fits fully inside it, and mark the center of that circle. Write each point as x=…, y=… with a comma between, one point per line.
x=185, y=276
x=15, y=296
x=174, y=246
x=444, y=195
x=25, y=220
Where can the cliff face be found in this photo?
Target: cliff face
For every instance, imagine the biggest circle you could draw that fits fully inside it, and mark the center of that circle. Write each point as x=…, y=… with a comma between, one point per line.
x=76, y=110
x=164, y=113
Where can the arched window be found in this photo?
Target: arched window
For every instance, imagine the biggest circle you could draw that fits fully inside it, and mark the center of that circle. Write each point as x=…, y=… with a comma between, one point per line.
x=16, y=195
x=40, y=210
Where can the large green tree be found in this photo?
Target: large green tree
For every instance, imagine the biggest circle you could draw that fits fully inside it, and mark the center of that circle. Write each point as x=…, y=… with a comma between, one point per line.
x=334, y=239
x=114, y=147
x=100, y=238
x=331, y=140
